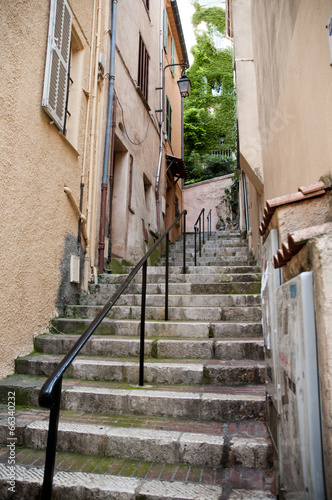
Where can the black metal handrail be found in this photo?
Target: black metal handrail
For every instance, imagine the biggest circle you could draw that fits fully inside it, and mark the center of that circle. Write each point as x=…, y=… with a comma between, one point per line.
x=209, y=223
x=198, y=228
x=50, y=393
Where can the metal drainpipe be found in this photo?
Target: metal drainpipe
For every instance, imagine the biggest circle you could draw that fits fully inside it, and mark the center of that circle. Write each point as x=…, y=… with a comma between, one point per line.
x=111, y=181
x=161, y=38
x=101, y=246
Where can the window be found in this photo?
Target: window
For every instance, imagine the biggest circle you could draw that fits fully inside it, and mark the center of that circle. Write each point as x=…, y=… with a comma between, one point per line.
x=165, y=30
x=168, y=120
x=57, y=62
x=143, y=69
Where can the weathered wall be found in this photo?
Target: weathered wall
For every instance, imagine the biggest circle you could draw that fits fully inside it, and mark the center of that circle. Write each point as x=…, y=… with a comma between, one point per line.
x=206, y=194
x=38, y=224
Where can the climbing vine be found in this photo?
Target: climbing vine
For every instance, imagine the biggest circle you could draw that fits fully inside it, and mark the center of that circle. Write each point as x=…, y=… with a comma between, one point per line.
x=209, y=111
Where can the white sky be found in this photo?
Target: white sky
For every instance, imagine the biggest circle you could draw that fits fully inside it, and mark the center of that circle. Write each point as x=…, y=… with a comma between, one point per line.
x=186, y=11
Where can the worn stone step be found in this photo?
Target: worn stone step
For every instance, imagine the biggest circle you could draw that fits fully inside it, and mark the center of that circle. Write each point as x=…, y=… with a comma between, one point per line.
x=182, y=288
x=210, y=403
x=182, y=278
x=158, y=300
x=155, y=445
x=85, y=486
x=216, y=372
x=200, y=270
x=212, y=261
x=159, y=329
x=171, y=349
x=179, y=313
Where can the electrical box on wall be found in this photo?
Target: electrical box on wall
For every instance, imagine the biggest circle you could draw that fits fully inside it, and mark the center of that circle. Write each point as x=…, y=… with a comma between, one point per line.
x=163, y=205
x=74, y=269
x=300, y=439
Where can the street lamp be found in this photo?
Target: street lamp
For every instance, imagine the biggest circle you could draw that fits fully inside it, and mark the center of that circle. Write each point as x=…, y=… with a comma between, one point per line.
x=184, y=85
x=184, y=88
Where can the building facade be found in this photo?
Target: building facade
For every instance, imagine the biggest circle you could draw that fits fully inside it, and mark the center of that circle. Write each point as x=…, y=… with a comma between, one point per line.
x=84, y=144
x=284, y=83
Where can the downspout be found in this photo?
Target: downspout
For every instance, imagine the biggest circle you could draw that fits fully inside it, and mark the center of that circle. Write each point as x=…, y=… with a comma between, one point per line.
x=111, y=181
x=161, y=35
x=101, y=246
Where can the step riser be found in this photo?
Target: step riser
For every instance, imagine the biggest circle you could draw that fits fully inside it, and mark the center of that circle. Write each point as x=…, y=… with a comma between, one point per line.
x=159, y=329
x=162, y=374
x=162, y=349
x=149, y=445
x=204, y=407
x=118, y=279
x=174, y=313
x=178, y=300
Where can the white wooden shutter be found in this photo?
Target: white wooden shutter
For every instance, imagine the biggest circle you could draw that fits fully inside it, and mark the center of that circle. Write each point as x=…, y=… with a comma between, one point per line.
x=57, y=62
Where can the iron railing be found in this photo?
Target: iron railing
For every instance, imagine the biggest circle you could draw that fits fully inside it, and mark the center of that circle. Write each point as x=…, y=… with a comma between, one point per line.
x=198, y=229
x=209, y=224
x=50, y=394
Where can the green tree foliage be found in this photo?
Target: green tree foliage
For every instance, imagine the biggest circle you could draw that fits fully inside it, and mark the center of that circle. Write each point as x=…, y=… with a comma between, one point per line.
x=209, y=111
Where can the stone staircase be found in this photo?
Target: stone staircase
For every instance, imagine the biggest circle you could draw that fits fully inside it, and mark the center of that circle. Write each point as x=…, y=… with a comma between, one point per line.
x=194, y=431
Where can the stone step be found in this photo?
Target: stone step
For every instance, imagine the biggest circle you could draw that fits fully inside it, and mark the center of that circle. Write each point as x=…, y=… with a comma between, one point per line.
x=158, y=300
x=216, y=329
x=181, y=278
x=216, y=251
x=210, y=403
x=215, y=372
x=150, y=445
x=220, y=270
x=115, y=347
x=242, y=288
x=85, y=486
x=179, y=313
x=211, y=261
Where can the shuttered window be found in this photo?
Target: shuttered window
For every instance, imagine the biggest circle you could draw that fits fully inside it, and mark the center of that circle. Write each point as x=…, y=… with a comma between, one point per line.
x=57, y=62
x=169, y=120
x=172, y=56
x=143, y=69
x=165, y=30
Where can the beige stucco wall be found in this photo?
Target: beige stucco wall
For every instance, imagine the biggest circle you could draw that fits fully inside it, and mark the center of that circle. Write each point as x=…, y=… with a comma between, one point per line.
x=38, y=228
x=206, y=194
x=294, y=89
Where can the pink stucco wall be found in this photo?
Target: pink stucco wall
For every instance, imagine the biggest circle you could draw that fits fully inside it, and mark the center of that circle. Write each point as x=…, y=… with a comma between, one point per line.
x=206, y=194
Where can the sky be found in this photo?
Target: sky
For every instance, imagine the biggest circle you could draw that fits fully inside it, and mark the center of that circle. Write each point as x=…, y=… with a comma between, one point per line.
x=186, y=11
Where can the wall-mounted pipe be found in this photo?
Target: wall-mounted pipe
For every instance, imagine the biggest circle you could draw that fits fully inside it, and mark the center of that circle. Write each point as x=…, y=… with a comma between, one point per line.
x=101, y=247
x=79, y=214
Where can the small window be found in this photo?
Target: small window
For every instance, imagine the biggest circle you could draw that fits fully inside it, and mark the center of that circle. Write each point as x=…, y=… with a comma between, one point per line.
x=168, y=119
x=143, y=69
x=57, y=62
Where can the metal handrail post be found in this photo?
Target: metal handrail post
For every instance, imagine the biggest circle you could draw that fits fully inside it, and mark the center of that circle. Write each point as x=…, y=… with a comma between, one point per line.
x=166, y=277
x=184, y=244
x=51, y=442
x=195, y=231
x=208, y=226
x=203, y=225
x=143, y=304
x=200, y=237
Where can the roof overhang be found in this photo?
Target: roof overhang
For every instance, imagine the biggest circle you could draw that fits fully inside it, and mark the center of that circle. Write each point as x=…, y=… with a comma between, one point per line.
x=176, y=166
